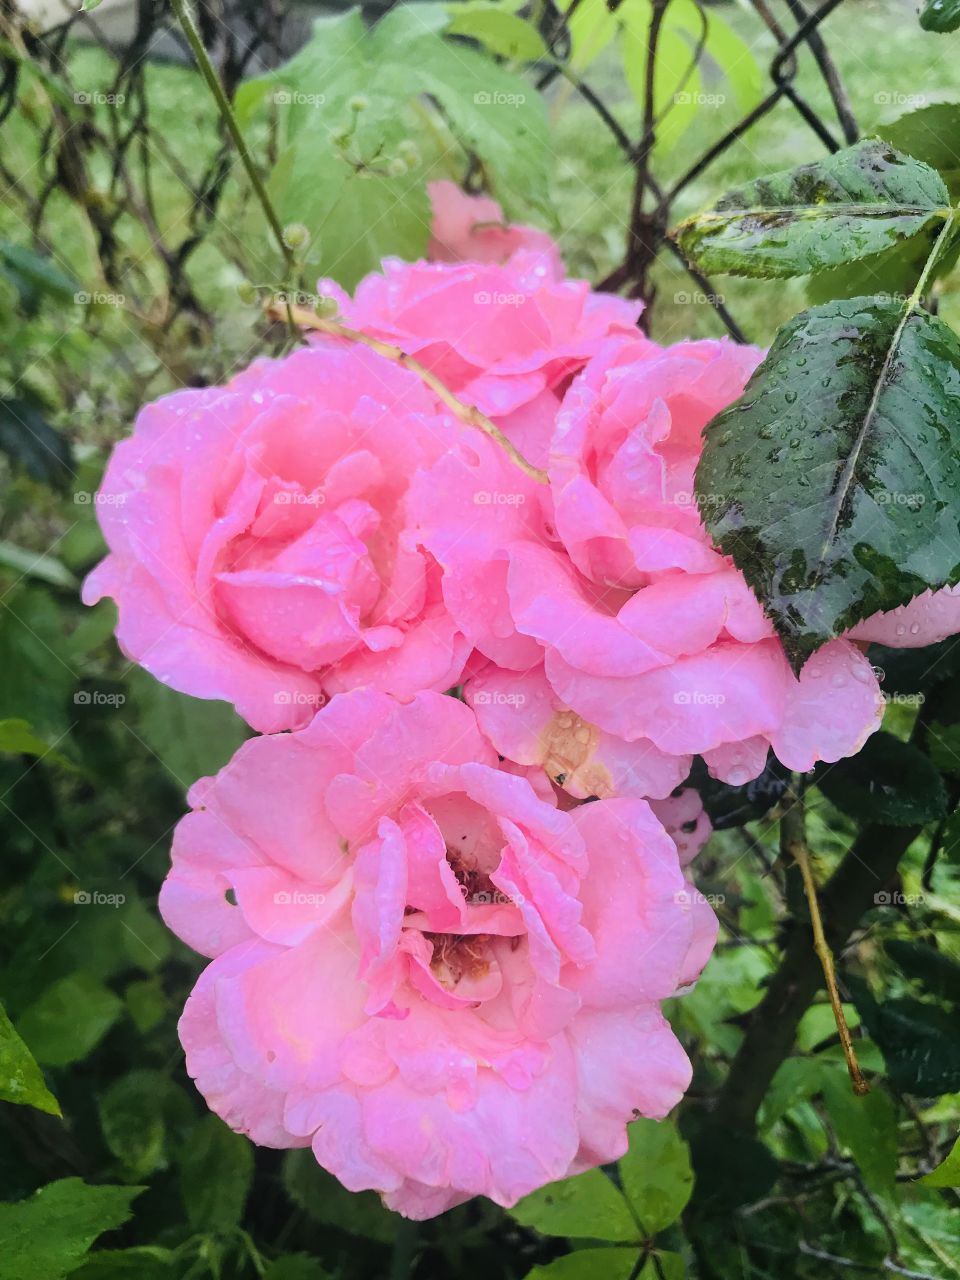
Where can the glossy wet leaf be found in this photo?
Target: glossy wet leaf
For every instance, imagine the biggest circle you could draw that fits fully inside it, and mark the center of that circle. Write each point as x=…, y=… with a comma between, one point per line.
x=920, y=1042
x=888, y=782
x=940, y=15
x=833, y=480
x=47, y=1235
x=858, y=202
x=21, y=1080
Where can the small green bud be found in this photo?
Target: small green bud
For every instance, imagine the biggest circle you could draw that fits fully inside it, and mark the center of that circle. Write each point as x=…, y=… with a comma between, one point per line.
x=359, y=102
x=295, y=235
x=247, y=293
x=326, y=308
x=397, y=167
x=409, y=152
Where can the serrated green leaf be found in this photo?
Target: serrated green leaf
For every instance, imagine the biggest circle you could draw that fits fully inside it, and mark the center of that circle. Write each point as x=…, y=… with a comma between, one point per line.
x=856, y=203
x=940, y=16
x=69, y=1019
x=828, y=480
x=47, y=1235
x=587, y=1206
x=216, y=1171
x=655, y=1174
x=21, y=1080
x=147, y=1262
x=325, y=1200
x=589, y=1264
x=888, y=782
x=946, y=1174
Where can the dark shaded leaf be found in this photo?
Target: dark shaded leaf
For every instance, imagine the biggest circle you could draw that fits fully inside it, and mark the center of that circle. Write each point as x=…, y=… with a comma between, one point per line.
x=941, y=16
x=35, y=277
x=832, y=480
x=31, y=443
x=325, y=1200
x=920, y=1043
x=912, y=671
x=69, y=1019
x=858, y=202
x=728, y=806
x=930, y=134
x=888, y=782
x=216, y=1170
x=936, y=972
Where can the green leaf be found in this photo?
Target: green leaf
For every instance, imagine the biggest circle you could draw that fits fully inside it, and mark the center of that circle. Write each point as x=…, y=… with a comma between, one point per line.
x=588, y=1206
x=191, y=737
x=18, y=738
x=858, y=202
x=327, y=1201
x=87, y=5
x=32, y=564
x=588, y=1264
x=678, y=86
x=216, y=1170
x=943, y=743
x=148, y=1262
x=930, y=134
x=655, y=1174
x=866, y=1126
x=946, y=1174
x=31, y=443
x=295, y=1266
x=35, y=277
x=133, y=1123
x=21, y=1080
x=47, y=1235
x=69, y=1019
x=888, y=782
x=937, y=973
x=828, y=480
x=497, y=29
x=920, y=1043
x=941, y=16
x=663, y=1266
x=355, y=218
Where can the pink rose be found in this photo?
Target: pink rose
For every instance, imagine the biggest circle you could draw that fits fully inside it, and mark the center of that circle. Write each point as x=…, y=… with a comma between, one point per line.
x=505, y=338
x=469, y=228
x=259, y=549
x=422, y=968
x=630, y=644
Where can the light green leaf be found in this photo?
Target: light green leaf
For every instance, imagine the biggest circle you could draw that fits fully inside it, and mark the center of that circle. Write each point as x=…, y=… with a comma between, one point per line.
x=497, y=29
x=858, y=202
x=678, y=85
x=18, y=738
x=69, y=1019
x=47, y=1235
x=588, y=1206
x=825, y=481
x=589, y=1264
x=655, y=1173
x=946, y=1174
x=21, y=1080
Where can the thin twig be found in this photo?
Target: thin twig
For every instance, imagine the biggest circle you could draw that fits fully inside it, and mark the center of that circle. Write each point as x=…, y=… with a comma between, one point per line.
x=794, y=843
x=468, y=414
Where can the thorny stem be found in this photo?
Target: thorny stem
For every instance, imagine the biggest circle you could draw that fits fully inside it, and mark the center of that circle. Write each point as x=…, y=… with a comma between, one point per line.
x=794, y=842
x=468, y=414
